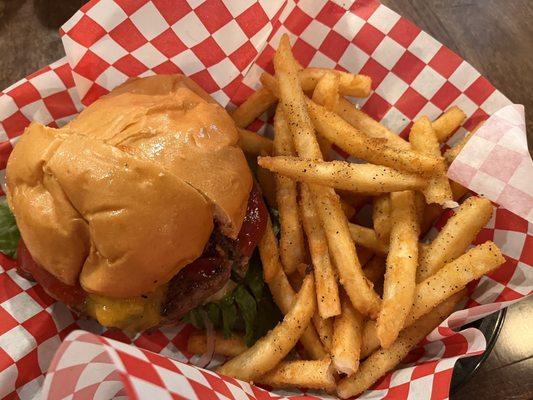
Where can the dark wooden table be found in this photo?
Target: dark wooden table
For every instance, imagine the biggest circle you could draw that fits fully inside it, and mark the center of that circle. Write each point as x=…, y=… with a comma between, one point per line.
x=496, y=36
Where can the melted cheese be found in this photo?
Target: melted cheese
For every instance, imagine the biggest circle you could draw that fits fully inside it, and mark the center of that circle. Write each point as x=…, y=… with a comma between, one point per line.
x=133, y=314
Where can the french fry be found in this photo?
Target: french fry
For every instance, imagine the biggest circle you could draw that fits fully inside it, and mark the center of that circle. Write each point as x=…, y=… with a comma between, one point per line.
x=455, y=237
x=363, y=254
x=384, y=360
x=367, y=178
x=458, y=190
x=433, y=211
x=341, y=246
x=267, y=182
x=349, y=112
x=348, y=209
x=292, y=100
x=334, y=128
x=268, y=351
x=369, y=126
x=429, y=216
x=326, y=201
x=254, y=144
x=324, y=328
x=357, y=200
x=450, y=279
x=448, y=123
x=367, y=238
x=291, y=242
x=327, y=291
x=349, y=84
x=230, y=347
x=453, y=152
x=370, y=339
x=420, y=206
x=300, y=373
x=347, y=339
x=381, y=217
x=284, y=295
x=374, y=269
x=326, y=93
x=254, y=106
x=402, y=262
x=424, y=140
x=269, y=253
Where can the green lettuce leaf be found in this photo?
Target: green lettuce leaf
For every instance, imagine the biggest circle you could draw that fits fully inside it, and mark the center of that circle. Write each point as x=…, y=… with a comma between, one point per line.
x=9, y=232
x=248, y=308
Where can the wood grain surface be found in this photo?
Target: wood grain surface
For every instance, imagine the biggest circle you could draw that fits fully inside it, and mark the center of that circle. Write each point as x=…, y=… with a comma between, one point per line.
x=495, y=36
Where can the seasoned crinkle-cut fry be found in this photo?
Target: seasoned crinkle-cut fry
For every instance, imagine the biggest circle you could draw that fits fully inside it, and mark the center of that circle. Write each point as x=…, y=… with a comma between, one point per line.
x=402, y=261
x=254, y=144
x=327, y=291
x=331, y=126
x=424, y=140
x=366, y=237
x=300, y=373
x=230, y=347
x=366, y=178
x=254, y=106
x=291, y=242
x=448, y=123
x=347, y=339
x=326, y=201
x=381, y=217
x=368, y=125
x=384, y=360
x=450, y=279
x=268, y=351
x=455, y=237
x=269, y=253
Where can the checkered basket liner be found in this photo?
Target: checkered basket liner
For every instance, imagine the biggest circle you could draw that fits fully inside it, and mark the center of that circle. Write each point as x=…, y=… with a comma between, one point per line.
x=224, y=45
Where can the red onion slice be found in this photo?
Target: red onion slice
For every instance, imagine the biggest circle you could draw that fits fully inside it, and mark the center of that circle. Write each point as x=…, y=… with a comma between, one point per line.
x=206, y=358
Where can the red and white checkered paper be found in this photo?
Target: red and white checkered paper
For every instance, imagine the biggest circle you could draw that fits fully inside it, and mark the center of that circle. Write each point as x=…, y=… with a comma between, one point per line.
x=496, y=162
x=224, y=45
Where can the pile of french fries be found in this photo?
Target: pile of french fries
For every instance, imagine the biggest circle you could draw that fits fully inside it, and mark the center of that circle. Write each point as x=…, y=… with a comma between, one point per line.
x=357, y=299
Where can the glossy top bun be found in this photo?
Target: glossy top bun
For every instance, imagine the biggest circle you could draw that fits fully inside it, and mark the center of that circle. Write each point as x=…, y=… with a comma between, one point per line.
x=124, y=196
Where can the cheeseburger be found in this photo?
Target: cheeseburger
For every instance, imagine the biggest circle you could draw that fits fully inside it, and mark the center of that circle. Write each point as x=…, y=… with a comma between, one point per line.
x=140, y=209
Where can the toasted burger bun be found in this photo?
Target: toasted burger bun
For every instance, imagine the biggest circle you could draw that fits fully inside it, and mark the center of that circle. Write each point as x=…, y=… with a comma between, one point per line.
x=124, y=196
